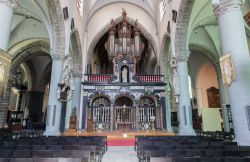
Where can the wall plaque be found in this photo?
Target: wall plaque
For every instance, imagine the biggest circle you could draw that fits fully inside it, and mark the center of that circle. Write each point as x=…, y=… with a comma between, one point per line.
x=227, y=69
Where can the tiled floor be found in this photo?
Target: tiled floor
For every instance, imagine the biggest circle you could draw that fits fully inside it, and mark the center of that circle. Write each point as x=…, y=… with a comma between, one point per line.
x=120, y=154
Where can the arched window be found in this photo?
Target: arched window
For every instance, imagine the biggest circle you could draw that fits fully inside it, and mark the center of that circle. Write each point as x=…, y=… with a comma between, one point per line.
x=101, y=102
x=121, y=101
x=146, y=102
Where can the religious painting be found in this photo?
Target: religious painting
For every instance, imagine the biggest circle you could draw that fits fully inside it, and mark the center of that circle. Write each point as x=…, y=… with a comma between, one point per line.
x=247, y=18
x=227, y=69
x=213, y=97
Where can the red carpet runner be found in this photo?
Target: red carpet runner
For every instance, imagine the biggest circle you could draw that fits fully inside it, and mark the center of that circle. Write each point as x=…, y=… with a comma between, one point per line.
x=121, y=141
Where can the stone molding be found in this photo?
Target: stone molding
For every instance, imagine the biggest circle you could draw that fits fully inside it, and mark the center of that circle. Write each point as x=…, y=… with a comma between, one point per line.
x=182, y=27
x=227, y=6
x=5, y=56
x=58, y=57
x=181, y=59
x=77, y=75
x=19, y=55
x=10, y=3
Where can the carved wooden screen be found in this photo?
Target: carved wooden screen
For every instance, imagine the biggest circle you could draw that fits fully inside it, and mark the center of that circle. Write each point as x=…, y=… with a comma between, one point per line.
x=213, y=97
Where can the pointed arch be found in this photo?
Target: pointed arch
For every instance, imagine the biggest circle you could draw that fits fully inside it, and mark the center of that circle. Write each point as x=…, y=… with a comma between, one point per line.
x=182, y=28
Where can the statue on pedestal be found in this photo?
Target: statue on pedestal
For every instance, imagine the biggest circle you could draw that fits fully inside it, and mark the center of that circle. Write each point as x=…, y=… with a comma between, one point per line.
x=73, y=119
x=65, y=87
x=124, y=75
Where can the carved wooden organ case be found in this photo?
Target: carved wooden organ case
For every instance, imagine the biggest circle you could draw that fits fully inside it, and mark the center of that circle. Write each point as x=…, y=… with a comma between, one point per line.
x=124, y=48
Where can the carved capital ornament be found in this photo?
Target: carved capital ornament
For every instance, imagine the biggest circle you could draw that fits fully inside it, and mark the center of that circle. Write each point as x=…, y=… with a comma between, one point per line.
x=227, y=6
x=10, y=3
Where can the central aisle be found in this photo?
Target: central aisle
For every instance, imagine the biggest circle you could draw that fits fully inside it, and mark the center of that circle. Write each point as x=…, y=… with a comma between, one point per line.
x=120, y=154
x=120, y=149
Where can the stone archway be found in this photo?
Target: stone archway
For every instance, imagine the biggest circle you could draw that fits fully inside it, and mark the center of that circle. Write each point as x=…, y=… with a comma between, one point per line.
x=17, y=59
x=105, y=30
x=214, y=59
x=182, y=28
x=58, y=46
x=77, y=52
x=57, y=41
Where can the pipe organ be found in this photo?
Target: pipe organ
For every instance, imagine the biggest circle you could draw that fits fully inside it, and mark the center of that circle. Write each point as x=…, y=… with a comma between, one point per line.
x=124, y=100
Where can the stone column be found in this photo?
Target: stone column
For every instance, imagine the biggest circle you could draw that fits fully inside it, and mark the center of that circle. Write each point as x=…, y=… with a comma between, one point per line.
x=166, y=96
x=234, y=41
x=224, y=101
x=112, y=117
x=77, y=93
x=168, y=109
x=6, y=15
x=185, y=110
x=54, y=105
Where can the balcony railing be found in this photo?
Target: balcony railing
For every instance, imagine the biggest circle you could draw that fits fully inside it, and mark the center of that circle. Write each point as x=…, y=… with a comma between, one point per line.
x=151, y=78
x=106, y=77
x=97, y=77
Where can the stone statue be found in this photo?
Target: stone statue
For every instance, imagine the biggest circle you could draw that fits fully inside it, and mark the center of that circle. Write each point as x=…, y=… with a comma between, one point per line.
x=112, y=25
x=124, y=75
x=73, y=113
x=65, y=89
x=18, y=80
x=73, y=119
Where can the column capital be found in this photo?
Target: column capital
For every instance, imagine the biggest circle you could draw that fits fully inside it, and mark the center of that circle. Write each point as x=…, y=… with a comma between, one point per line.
x=58, y=57
x=226, y=6
x=10, y=3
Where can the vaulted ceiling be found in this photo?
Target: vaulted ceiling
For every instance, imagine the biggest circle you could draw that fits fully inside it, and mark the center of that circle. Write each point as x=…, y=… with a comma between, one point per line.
x=30, y=22
x=204, y=29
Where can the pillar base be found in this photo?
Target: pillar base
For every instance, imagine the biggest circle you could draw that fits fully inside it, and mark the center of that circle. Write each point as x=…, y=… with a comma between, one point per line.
x=242, y=142
x=189, y=131
x=52, y=133
x=170, y=129
x=81, y=130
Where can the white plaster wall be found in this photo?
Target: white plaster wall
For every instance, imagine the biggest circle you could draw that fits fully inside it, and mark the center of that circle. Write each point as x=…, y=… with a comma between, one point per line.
x=164, y=24
x=67, y=23
x=143, y=4
x=154, y=5
x=104, y=15
x=79, y=25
